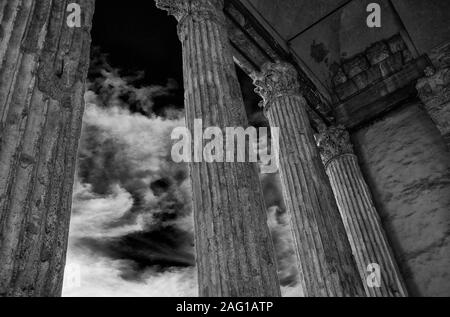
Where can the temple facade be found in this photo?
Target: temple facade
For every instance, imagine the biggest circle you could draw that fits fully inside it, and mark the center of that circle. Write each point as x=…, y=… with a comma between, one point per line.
x=364, y=119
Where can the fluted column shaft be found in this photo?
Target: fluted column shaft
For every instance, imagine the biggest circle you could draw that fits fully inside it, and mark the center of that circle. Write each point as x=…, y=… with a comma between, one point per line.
x=235, y=254
x=361, y=220
x=43, y=66
x=434, y=90
x=325, y=259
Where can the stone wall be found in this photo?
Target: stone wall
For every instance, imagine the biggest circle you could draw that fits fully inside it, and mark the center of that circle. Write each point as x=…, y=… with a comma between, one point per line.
x=341, y=34
x=407, y=166
x=379, y=61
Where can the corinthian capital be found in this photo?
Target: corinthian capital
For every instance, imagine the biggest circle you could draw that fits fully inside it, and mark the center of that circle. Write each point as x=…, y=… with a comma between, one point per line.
x=435, y=88
x=177, y=8
x=276, y=80
x=200, y=9
x=334, y=142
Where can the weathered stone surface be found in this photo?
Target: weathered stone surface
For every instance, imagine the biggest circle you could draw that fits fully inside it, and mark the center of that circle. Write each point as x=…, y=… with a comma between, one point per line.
x=406, y=165
x=362, y=223
x=346, y=90
x=235, y=254
x=240, y=41
x=327, y=267
x=43, y=65
x=377, y=53
x=378, y=62
x=391, y=64
x=362, y=80
x=365, y=70
x=355, y=65
x=333, y=143
x=381, y=96
x=440, y=56
x=396, y=44
x=373, y=74
x=339, y=77
x=434, y=91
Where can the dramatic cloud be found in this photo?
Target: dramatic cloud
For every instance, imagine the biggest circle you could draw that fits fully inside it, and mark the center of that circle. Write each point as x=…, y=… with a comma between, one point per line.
x=100, y=277
x=132, y=231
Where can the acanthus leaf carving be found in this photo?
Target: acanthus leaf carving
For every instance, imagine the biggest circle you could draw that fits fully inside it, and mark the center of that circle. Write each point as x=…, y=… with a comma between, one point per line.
x=435, y=88
x=177, y=8
x=334, y=142
x=276, y=80
x=199, y=10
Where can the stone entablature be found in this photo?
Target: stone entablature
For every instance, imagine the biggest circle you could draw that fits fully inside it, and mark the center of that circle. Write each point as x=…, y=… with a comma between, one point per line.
x=376, y=81
x=379, y=61
x=253, y=47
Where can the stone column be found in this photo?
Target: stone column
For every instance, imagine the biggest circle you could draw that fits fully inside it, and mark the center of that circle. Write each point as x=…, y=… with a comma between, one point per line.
x=362, y=223
x=434, y=90
x=43, y=67
x=326, y=263
x=235, y=253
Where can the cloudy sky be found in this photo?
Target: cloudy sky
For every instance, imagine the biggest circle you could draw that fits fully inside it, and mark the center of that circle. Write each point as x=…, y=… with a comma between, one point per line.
x=131, y=232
